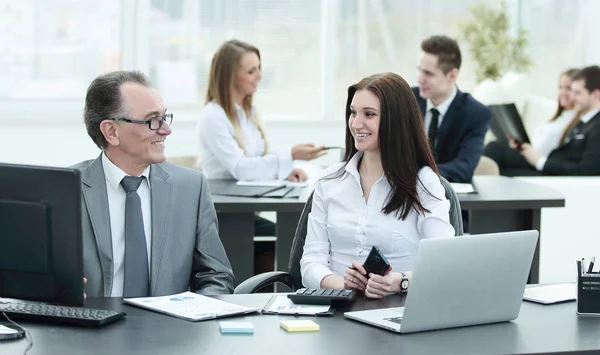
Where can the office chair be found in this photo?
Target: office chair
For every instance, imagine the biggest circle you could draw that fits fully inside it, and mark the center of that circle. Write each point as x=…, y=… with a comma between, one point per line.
x=188, y=161
x=293, y=278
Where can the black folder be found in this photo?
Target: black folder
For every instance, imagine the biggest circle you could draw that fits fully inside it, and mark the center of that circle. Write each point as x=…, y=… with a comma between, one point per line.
x=506, y=123
x=229, y=188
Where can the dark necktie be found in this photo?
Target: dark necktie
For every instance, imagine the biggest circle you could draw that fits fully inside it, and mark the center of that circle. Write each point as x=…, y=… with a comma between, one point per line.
x=573, y=132
x=433, y=127
x=136, y=281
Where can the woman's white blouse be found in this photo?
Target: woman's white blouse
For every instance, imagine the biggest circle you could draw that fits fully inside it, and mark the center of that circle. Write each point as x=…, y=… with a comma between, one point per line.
x=547, y=136
x=342, y=228
x=222, y=158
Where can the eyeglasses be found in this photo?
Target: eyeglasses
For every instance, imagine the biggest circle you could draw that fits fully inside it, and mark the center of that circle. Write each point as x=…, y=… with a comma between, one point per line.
x=155, y=123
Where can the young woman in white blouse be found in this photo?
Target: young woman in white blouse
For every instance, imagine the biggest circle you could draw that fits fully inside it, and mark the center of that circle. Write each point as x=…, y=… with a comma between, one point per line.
x=511, y=157
x=233, y=143
x=387, y=192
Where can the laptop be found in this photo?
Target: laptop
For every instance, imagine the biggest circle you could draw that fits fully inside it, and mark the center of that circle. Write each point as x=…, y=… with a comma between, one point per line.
x=461, y=281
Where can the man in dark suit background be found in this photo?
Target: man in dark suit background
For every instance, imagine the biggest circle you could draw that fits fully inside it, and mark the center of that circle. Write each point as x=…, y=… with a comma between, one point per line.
x=459, y=121
x=580, y=154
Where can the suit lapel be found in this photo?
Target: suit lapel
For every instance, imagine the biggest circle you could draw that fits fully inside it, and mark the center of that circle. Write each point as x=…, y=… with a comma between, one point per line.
x=160, y=192
x=590, y=124
x=422, y=105
x=96, y=202
x=452, y=114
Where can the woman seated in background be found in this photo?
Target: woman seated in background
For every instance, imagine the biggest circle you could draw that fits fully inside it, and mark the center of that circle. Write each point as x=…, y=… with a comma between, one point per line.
x=233, y=143
x=386, y=193
x=546, y=138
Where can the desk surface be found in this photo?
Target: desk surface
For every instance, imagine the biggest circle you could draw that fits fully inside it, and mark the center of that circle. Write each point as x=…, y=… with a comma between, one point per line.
x=494, y=193
x=538, y=329
x=235, y=204
x=501, y=192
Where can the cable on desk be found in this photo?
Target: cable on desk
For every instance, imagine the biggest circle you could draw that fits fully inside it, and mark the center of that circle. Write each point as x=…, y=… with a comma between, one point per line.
x=27, y=333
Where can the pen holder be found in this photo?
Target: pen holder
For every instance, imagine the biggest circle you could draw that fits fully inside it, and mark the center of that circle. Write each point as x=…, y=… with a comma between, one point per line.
x=588, y=294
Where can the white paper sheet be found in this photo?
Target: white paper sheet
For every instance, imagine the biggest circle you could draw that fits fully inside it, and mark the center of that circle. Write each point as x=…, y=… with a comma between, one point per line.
x=190, y=306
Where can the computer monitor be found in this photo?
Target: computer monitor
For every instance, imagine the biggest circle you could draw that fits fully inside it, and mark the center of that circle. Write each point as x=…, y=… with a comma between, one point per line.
x=41, y=256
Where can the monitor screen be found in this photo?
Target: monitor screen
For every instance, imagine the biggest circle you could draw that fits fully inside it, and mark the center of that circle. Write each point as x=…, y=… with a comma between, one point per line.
x=40, y=234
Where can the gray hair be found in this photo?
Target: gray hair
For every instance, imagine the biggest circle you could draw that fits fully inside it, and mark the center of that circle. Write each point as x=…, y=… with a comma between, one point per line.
x=103, y=101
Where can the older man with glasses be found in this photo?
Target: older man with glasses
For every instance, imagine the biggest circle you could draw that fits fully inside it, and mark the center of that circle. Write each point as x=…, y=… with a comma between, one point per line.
x=149, y=227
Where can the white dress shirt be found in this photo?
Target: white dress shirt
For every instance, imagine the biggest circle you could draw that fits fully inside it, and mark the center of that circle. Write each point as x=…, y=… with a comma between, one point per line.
x=342, y=228
x=221, y=156
x=546, y=137
x=116, y=208
x=585, y=119
x=442, y=108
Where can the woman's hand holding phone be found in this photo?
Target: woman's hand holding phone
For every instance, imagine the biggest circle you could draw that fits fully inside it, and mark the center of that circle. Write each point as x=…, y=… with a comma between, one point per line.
x=355, y=277
x=378, y=286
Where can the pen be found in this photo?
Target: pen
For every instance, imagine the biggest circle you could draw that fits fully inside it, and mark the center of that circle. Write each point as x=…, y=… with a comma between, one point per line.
x=583, y=269
x=578, y=268
x=591, y=268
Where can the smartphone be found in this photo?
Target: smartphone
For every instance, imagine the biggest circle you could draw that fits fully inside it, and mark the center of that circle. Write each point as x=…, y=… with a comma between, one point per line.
x=376, y=262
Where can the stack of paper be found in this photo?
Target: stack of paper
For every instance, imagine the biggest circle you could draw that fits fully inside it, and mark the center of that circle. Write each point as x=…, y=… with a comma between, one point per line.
x=462, y=188
x=299, y=325
x=283, y=305
x=236, y=327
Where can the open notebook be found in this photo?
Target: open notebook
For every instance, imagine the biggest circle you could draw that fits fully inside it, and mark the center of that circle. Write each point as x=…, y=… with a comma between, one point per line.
x=190, y=306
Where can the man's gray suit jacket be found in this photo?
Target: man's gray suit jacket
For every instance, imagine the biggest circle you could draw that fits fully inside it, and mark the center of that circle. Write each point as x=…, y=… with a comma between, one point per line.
x=186, y=253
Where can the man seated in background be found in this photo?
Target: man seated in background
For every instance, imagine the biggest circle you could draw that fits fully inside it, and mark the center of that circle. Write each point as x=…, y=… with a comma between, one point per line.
x=455, y=122
x=580, y=153
x=149, y=227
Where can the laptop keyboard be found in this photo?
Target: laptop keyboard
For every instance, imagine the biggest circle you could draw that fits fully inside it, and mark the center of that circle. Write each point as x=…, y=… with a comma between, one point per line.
x=397, y=320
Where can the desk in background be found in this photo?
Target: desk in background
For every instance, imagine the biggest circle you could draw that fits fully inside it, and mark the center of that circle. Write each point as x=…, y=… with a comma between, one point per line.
x=236, y=227
x=539, y=329
x=502, y=204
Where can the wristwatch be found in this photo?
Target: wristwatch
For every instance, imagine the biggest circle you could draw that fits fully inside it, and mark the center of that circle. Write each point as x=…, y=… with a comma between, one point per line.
x=404, y=283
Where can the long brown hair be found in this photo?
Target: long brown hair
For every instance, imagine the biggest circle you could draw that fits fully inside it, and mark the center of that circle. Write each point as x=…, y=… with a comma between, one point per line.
x=571, y=74
x=403, y=145
x=223, y=69
x=559, y=110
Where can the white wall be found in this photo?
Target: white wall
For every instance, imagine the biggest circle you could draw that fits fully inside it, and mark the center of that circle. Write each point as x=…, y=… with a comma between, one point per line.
x=66, y=142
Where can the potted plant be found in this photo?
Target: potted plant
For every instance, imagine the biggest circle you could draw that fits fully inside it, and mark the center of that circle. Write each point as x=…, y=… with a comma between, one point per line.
x=500, y=57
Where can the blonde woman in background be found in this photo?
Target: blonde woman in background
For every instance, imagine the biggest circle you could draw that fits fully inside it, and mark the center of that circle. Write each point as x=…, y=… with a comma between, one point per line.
x=233, y=142
x=545, y=139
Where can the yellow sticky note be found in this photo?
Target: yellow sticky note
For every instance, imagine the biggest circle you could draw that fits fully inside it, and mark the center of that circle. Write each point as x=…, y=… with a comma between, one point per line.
x=299, y=325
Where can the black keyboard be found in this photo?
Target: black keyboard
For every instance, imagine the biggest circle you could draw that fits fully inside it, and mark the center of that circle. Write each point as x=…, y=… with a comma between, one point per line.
x=58, y=314
x=322, y=296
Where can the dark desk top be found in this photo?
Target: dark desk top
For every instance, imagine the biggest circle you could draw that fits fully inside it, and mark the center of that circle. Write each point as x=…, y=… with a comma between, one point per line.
x=232, y=204
x=539, y=329
x=494, y=193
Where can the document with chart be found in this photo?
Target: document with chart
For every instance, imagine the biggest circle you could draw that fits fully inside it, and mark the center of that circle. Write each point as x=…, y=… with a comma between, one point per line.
x=190, y=306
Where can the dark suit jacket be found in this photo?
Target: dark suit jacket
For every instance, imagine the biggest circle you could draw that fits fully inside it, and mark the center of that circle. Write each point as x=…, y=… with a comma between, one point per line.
x=581, y=155
x=186, y=250
x=460, y=136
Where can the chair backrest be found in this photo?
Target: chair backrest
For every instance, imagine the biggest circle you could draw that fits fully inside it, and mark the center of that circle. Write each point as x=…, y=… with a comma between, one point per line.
x=300, y=236
x=455, y=211
x=188, y=161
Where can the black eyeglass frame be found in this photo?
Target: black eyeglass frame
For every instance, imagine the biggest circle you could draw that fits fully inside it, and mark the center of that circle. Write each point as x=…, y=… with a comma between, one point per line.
x=160, y=119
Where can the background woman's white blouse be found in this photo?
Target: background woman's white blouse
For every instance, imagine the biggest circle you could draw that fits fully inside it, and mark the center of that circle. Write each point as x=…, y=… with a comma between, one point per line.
x=342, y=228
x=221, y=156
x=547, y=136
